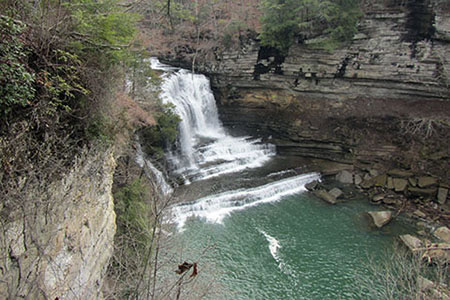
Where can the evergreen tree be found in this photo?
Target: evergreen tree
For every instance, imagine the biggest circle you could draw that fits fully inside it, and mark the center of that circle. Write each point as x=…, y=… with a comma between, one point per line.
x=285, y=20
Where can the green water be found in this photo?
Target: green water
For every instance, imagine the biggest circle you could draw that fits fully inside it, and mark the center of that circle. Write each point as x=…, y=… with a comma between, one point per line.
x=322, y=248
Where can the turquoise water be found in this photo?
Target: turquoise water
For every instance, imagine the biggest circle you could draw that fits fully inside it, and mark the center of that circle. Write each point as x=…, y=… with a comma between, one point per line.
x=321, y=248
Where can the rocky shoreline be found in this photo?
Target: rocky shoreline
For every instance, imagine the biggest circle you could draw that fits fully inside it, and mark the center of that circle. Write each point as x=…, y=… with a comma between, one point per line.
x=424, y=200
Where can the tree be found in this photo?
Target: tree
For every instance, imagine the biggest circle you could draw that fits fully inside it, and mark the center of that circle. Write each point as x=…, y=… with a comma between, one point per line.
x=285, y=21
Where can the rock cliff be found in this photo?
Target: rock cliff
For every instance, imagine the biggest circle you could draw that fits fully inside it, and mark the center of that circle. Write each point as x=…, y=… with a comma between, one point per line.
x=59, y=244
x=382, y=98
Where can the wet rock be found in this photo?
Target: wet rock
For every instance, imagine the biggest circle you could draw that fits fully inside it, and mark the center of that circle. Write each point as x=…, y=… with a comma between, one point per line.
x=378, y=198
x=390, y=201
x=381, y=218
x=358, y=179
x=427, y=181
x=422, y=192
x=324, y=195
x=400, y=184
x=312, y=185
x=442, y=195
x=400, y=173
x=380, y=180
x=420, y=214
x=390, y=183
x=367, y=184
x=344, y=177
x=421, y=232
x=412, y=181
x=443, y=233
x=374, y=173
x=411, y=242
x=335, y=192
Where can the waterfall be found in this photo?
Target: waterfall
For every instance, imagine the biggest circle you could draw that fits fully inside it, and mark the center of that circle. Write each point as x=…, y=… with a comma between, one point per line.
x=152, y=172
x=206, y=150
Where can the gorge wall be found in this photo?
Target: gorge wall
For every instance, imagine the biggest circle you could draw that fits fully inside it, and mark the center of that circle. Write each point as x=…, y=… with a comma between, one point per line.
x=59, y=244
x=382, y=99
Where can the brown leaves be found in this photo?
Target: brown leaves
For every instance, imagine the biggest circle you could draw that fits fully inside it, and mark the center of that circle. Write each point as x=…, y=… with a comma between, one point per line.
x=185, y=266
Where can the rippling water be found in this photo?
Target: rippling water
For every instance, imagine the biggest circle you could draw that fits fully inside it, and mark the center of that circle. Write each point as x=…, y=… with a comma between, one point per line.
x=267, y=238
x=298, y=248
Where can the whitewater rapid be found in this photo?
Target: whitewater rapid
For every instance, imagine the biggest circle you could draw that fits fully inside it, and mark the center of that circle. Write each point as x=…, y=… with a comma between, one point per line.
x=215, y=208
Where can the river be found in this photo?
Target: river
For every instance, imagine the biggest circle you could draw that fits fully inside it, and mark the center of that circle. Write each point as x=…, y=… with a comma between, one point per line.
x=265, y=236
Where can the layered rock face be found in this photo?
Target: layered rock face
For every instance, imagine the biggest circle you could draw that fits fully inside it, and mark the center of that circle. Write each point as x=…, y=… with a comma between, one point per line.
x=58, y=246
x=384, y=94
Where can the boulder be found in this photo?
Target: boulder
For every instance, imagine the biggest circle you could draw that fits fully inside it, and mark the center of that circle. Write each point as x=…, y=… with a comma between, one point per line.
x=374, y=172
x=422, y=192
x=427, y=181
x=390, y=183
x=381, y=218
x=324, y=195
x=378, y=198
x=358, y=179
x=412, y=181
x=335, y=192
x=344, y=177
x=442, y=195
x=400, y=184
x=400, y=173
x=367, y=184
x=312, y=185
x=380, y=180
x=443, y=233
x=420, y=214
x=411, y=242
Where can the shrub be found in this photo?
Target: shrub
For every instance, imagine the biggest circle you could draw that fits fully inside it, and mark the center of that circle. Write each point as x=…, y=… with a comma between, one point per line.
x=16, y=78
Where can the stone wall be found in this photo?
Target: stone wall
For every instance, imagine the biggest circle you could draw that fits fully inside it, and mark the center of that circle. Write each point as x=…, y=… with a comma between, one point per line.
x=59, y=243
x=368, y=102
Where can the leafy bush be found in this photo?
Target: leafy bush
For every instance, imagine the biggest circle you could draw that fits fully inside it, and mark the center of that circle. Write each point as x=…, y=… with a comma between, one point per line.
x=164, y=134
x=285, y=21
x=16, y=78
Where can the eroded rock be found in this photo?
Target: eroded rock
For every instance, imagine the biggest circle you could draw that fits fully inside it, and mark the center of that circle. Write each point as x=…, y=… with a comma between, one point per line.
x=344, y=177
x=324, y=195
x=427, y=181
x=400, y=184
x=411, y=242
x=443, y=233
x=335, y=192
x=380, y=218
x=442, y=195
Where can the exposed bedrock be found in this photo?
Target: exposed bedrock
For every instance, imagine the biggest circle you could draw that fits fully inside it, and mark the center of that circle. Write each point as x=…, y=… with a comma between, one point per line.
x=382, y=99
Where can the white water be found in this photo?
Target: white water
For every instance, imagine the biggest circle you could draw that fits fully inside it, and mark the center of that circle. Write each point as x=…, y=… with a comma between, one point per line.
x=274, y=245
x=215, y=208
x=152, y=172
x=205, y=149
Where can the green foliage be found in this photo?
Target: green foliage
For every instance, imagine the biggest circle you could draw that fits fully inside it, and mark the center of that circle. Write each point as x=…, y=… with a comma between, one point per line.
x=133, y=213
x=101, y=128
x=285, y=20
x=102, y=29
x=164, y=134
x=16, y=78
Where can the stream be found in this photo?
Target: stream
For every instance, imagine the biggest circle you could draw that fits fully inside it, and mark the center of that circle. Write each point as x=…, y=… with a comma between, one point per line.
x=268, y=237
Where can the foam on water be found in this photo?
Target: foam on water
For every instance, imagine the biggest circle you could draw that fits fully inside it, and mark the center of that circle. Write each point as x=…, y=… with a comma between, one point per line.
x=215, y=208
x=205, y=149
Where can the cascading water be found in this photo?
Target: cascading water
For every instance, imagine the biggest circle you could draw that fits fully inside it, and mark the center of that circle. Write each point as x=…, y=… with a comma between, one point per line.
x=152, y=172
x=215, y=207
x=298, y=248
x=206, y=150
